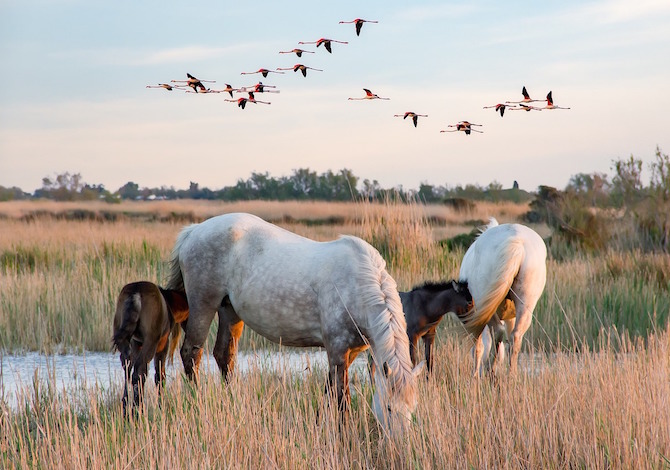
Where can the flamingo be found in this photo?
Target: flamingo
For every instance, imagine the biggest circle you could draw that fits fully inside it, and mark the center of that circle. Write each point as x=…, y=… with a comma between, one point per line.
x=252, y=99
x=296, y=51
x=260, y=88
x=524, y=107
x=194, y=83
x=369, y=96
x=359, y=24
x=242, y=102
x=526, y=98
x=263, y=72
x=326, y=43
x=413, y=115
x=550, y=103
x=301, y=67
x=167, y=86
x=464, y=126
x=229, y=89
x=499, y=108
x=205, y=91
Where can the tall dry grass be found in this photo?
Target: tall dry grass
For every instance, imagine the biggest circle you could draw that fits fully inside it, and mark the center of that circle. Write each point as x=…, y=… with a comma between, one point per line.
x=586, y=410
x=593, y=392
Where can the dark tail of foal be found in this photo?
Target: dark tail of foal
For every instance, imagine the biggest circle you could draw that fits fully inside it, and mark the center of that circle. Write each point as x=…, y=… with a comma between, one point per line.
x=131, y=316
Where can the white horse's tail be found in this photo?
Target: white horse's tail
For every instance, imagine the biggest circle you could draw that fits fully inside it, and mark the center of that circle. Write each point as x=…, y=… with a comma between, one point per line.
x=175, y=277
x=489, y=281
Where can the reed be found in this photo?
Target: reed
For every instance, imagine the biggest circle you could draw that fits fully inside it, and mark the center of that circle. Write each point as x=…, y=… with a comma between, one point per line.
x=59, y=279
x=573, y=410
x=592, y=392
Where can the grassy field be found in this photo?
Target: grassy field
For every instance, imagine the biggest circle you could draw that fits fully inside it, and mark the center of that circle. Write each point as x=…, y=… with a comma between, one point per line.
x=595, y=396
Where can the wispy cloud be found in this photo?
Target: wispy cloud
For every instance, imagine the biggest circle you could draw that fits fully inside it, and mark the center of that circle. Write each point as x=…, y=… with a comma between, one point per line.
x=436, y=12
x=623, y=11
x=135, y=57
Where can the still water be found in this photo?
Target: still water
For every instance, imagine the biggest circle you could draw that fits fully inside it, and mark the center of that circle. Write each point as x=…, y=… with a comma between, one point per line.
x=18, y=373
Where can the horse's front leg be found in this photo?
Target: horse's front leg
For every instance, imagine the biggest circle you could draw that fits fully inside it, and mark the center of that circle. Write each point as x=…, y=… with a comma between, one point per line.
x=428, y=340
x=227, y=338
x=413, y=345
x=196, y=329
x=338, y=379
x=478, y=351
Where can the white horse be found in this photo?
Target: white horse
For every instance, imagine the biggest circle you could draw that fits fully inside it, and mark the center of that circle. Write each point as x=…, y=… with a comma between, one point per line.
x=297, y=292
x=506, y=272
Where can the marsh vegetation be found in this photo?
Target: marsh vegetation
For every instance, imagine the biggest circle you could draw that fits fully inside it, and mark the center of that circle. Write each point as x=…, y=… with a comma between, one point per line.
x=595, y=395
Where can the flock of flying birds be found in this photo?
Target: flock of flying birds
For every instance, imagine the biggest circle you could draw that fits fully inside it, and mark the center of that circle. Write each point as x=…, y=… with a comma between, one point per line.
x=197, y=86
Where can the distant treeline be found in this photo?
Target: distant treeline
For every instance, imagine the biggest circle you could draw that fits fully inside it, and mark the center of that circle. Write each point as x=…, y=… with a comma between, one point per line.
x=302, y=184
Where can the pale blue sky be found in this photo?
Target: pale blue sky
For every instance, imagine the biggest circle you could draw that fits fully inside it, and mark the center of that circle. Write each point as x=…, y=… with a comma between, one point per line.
x=74, y=96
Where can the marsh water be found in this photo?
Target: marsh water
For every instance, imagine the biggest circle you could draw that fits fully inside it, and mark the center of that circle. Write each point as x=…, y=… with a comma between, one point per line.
x=20, y=373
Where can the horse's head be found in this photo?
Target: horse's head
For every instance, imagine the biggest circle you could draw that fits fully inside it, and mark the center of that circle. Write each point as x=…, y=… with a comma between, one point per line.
x=395, y=397
x=462, y=303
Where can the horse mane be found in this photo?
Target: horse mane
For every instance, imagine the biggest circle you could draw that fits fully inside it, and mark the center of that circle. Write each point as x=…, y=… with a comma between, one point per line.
x=388, y=331
x=438, y=286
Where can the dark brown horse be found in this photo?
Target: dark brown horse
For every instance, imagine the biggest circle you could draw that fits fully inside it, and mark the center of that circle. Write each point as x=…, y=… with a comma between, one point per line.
x=424, y=307
x=145, y=316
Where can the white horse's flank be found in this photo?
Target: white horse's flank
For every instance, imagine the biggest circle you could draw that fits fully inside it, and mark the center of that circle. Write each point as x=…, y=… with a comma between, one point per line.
x=296, y=291
x=506, y=263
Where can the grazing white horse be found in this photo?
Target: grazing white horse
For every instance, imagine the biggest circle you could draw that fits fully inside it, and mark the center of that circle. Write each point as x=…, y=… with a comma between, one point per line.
x=506, y=271
x=297, y=292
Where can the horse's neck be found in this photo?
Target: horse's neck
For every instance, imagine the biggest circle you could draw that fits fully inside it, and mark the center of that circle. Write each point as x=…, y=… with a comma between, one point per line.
x=437, y=304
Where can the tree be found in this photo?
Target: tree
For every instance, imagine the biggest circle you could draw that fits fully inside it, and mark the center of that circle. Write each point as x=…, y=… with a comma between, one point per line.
x=65, y=187
x=627, y=183
x=129, y=190
x=660, y=176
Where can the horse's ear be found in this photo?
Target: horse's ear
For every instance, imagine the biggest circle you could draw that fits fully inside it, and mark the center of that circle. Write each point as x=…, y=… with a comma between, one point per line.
x=456, y=287
x=419, y=368
x=387, y=370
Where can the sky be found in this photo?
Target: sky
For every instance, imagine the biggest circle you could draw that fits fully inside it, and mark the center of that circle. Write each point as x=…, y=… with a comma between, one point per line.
x=74, y=97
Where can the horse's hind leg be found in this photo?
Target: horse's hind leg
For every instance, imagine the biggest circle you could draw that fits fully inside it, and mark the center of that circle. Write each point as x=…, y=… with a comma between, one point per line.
x=133, y=352
x=159, y=366
x=522, y=324
x=140, y=366
x=227, y=338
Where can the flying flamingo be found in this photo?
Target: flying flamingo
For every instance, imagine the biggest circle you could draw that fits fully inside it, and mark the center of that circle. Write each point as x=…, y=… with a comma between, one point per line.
x=194, y=83
x=302, y=68
x=526, y=98
x=550, y=103
x=326, y=43
x=359, y=24
x=524, y=107
x=296, y=51
x=369, y=96
x=499, y=108
x=242, y=102
x=464, y=126
x=202, y=91
x=252, y=99
x=260, y=88
x=229, y=89
x=263, y=72
x=167, y=86
x=410, y=114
